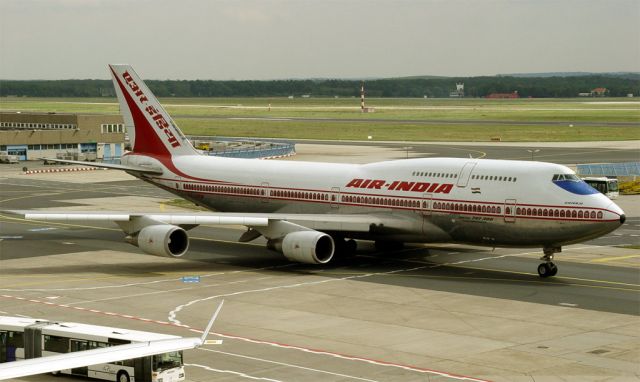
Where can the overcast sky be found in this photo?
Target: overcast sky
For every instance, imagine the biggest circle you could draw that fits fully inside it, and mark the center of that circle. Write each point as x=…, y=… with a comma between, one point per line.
x=275, y=39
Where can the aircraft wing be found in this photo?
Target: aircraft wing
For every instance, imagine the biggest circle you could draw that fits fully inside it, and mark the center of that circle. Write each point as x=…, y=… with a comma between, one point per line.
x=53, y=363
x=136, y=169
x=321, y=222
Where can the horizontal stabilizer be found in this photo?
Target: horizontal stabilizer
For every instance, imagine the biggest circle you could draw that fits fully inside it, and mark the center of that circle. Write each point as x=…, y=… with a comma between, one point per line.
x=137, y=169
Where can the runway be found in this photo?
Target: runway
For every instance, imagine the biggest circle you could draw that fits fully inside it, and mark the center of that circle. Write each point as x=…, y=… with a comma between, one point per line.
x=547, y=152
x=391, y=121
x=423, y=313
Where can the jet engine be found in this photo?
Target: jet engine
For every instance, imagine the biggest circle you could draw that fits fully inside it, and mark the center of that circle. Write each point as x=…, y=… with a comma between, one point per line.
x=310, y=247
x=161, y=240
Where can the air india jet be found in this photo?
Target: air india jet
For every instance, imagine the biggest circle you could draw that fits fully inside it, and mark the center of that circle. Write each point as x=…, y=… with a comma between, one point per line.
x=313, y=212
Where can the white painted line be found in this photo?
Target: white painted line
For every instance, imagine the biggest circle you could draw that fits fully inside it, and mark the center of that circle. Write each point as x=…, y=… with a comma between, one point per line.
x=278, y=345
x=237, y=373
x=10, y=237
x=568, y=304
x=42, y=229
x=170, y=290
x=348, y=357
x=138, y=284
x=288, y=365
x=52, y=297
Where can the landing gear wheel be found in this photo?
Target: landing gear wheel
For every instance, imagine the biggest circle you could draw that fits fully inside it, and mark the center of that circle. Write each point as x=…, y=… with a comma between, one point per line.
x=547, y=269
x=344, y=250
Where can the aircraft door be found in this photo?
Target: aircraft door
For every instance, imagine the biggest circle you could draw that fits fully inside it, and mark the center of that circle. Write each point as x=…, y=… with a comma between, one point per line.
x=335, y=197
x=264, y=192
x=3, y=346
x=510, y=210
x=426, y=204
x=465, y=173
x=178, y=182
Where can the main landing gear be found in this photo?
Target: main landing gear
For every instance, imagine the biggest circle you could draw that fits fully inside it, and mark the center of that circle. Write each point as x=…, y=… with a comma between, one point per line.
x=548, y=268
x=345, y=249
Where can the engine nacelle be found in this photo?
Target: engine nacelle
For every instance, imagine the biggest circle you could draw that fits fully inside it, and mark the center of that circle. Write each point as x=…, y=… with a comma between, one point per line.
x=310, y=247
x=162, y=240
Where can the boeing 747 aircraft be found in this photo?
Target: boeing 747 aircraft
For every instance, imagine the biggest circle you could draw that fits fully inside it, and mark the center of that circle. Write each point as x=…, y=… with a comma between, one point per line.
x=312, y=212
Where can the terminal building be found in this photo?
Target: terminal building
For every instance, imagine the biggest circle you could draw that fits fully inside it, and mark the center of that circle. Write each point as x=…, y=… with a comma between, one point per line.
x=31, y=136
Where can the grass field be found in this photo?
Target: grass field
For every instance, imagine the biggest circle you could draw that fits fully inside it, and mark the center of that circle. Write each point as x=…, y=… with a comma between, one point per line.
x=394, y=119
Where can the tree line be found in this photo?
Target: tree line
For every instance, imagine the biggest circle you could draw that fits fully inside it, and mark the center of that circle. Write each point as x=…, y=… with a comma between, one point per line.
x=537, y=87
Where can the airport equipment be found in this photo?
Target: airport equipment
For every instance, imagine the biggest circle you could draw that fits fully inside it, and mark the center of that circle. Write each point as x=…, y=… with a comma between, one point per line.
x=606, y=186
x=610, y=169
x=123, y=355
x=5, y=157
x=27, y=338
x=364, y=109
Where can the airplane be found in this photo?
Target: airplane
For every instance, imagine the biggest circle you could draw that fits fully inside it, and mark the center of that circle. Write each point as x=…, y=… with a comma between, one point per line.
x=54, y=363
x=313, y=212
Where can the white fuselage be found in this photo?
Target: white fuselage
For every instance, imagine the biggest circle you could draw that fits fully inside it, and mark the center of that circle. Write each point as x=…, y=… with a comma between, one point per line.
x=487, y=202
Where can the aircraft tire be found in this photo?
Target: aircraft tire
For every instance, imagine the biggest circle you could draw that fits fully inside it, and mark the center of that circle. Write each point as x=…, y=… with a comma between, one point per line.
x=544, y=270
x=553, y=269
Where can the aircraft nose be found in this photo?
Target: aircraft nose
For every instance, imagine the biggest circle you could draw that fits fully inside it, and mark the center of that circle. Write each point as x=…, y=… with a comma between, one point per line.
x=618, y=211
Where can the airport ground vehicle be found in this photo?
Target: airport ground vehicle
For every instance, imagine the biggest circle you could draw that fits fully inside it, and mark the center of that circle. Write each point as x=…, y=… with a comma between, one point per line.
x=26, y=338
x=5, y=157
x=607, y=186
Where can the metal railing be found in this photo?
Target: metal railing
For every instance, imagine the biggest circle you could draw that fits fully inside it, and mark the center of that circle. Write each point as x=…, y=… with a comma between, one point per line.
x=247, y=147
x=610, y=169
x=238, y=148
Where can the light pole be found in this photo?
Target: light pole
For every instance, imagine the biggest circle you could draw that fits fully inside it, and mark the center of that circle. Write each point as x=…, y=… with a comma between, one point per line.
x=533, y=151
x=408, y=148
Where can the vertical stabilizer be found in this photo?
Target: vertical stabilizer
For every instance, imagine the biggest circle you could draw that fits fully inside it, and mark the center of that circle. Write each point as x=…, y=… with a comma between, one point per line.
x=150, y=128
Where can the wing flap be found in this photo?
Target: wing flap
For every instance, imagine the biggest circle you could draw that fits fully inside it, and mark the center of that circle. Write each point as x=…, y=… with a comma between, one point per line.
x=76, y=217
x=320, y=222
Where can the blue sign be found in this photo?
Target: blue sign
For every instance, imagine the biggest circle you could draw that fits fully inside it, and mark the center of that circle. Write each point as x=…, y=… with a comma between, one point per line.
x=190, y=279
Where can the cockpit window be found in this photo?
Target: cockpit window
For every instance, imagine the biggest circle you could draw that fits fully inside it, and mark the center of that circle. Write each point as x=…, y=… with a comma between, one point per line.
x=572, y=177
x=573, y=184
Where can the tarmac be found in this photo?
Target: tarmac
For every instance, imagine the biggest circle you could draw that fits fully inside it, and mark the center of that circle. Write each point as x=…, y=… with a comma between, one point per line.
x=423, y=313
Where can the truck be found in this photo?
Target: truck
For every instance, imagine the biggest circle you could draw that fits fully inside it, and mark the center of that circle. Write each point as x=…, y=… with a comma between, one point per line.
x=5, y=157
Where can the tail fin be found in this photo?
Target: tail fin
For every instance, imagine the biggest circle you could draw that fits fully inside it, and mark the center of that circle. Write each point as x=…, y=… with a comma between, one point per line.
x=151, y=129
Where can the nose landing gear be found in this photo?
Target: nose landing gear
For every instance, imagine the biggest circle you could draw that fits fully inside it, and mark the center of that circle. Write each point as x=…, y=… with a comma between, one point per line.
x=548, y=268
